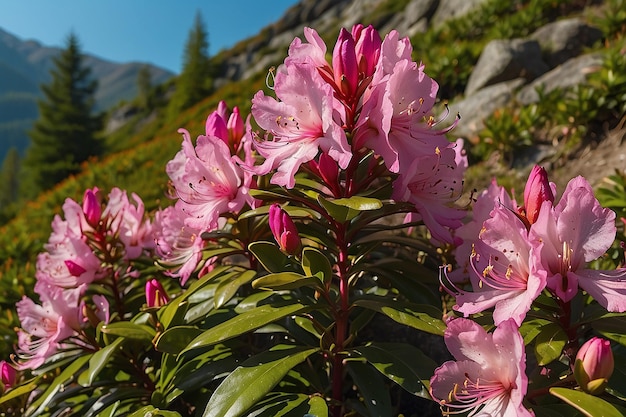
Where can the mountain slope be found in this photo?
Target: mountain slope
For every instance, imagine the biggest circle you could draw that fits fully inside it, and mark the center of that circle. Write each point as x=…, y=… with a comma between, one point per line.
x=25, y=65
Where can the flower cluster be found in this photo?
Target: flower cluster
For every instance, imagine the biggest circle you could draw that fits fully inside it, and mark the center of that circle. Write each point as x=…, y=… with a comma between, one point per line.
x=513, y=253
x=286, y=244
x=91, y=244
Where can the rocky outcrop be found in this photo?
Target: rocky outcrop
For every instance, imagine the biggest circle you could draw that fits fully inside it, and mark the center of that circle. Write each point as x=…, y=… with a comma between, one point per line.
x=504, y=60
x=507, y=71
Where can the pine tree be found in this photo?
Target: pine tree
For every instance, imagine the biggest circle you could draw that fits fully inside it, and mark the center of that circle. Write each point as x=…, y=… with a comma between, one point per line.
x=66, y=133
x=9, y=184
x=145, y=92
x=194, y=83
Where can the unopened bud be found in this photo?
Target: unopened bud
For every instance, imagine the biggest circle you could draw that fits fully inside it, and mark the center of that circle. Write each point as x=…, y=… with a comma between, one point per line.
x=155, y=294
x=284, y=230
x=8, y=375
x=536, y=192
x=345, y=66
x=594, y=365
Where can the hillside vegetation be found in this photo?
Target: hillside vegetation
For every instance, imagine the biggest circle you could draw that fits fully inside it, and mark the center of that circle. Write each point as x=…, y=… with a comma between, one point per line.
x=449, y=51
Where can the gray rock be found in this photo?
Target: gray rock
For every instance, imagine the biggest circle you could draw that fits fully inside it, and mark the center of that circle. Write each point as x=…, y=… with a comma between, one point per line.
x=504, y=60
x=414, y=19
x=480, y=105
x=565, y=39
x=569, y=74
x=451, y=9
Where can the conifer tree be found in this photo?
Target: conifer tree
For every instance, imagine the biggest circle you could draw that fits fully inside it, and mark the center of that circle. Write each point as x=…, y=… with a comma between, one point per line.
x=9, y=184
x=145, y=93
x=66, y=133
x=194, y=82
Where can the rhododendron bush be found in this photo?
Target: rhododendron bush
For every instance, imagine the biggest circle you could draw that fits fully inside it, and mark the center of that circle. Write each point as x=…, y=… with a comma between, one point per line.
x=326, y=262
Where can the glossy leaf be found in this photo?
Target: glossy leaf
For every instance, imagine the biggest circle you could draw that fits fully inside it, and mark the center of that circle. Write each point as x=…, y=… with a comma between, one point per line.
x=530, y=329
x=175, y=339
x=418, y=316
x=549, y=343
x=315, y=263
x=98, y=361
x=317, y=407
x=253, y=380
x=229, y=286
x=585, y=403
x=372, y=388
x=243, y=323
x=150, y=410
x=16, y=392
x=404, y=364
x=67, y=375
x=269, y=255
x=129, y=330
x=280, y=405
x=346, y=209
x=286, y=281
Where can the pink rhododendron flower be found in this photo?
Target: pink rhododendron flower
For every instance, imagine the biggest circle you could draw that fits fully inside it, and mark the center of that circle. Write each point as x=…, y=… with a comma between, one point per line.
x=68, y=261
x=493, y=196
x=576, y=231
x=128, y=221
x=488, y=377
x=44, y=327
x=179, y=246
x=433, y=183
x=396, y=118
x=92, y=207
x=345, y=67
x=506, y=275
x=208, y=181
x=367, y=48
x=305, y=120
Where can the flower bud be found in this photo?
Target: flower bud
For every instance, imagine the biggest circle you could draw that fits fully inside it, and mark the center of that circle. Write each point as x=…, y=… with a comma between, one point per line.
x=284, y=230
x=594, y=365
x=235, y=127
x=155, y=294
x=345, y=67
x=91, y=207
x=536, y=192
x=216, y=126
x=8, y=375
x=367, y=48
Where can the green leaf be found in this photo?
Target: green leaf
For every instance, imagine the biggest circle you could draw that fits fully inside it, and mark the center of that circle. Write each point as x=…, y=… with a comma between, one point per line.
x=269, y=255
x=372, y=388
x=587, y=404
x=315, y=263
x=280, y=405
x=549, y=343
x=66, y=376
x=346, y=209
x=243, y=323
x=286, y=281
x=98, y=361
x=530, y=329
x=229, y=286
x=404, y=364
x=18, y=392
x=129, y=330
x=318, y=407
x=150, y=410
x=175, y=339
x=253, y=380
x=418, y=316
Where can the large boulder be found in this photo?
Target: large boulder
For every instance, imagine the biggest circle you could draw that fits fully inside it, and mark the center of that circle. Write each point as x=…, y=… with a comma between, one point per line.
x=451, y=9
x=569, y=74
x=504, y=60
x=480, y=105
x=565, y=39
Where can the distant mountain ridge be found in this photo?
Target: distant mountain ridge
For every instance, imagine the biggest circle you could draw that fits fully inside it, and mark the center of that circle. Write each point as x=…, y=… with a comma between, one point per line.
x=26, y=64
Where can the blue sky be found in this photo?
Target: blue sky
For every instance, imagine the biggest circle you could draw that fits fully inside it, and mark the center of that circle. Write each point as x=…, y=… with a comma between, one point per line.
x=153, y=31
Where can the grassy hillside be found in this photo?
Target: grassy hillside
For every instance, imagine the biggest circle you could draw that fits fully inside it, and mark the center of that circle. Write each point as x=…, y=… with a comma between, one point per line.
x=449, y=53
